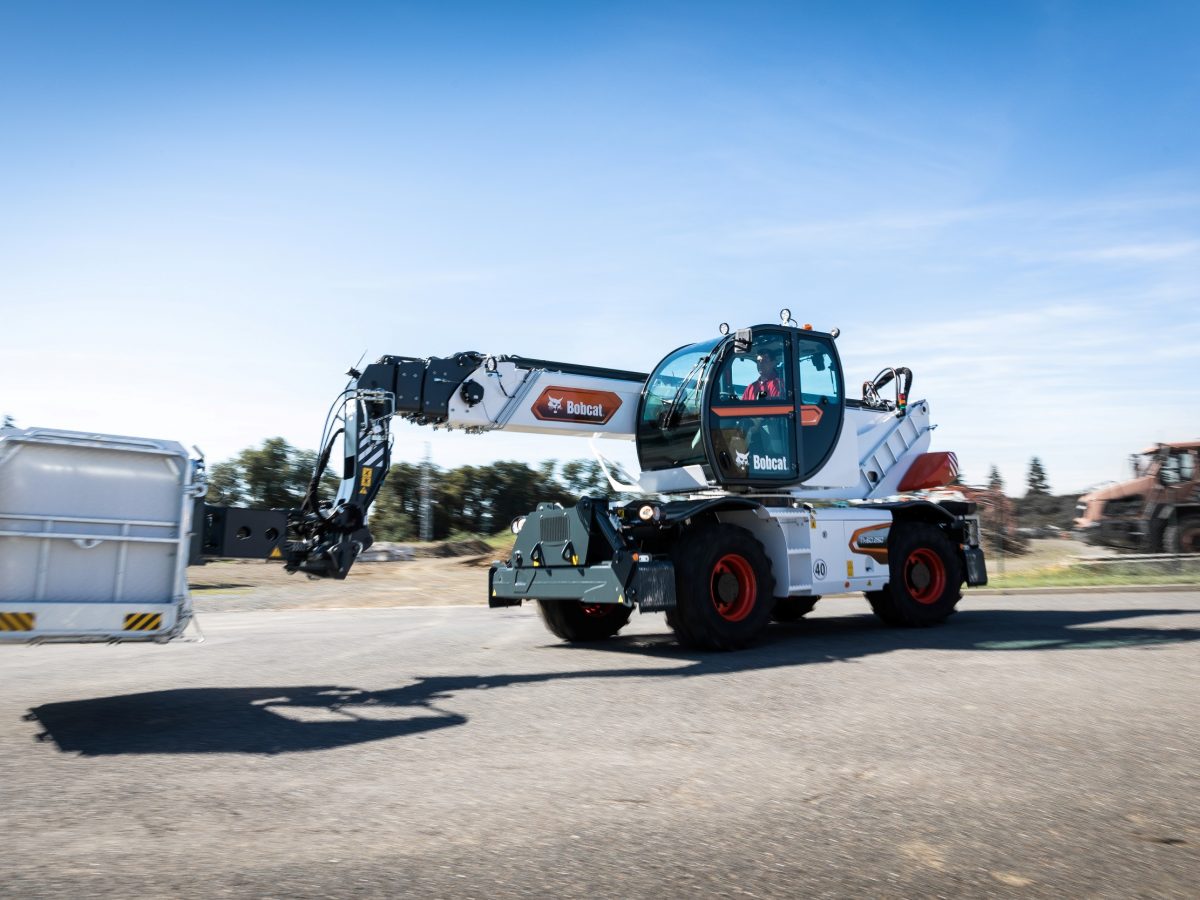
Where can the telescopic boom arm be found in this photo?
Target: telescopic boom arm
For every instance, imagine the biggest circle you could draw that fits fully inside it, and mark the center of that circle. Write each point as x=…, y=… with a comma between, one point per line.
x=470, y=391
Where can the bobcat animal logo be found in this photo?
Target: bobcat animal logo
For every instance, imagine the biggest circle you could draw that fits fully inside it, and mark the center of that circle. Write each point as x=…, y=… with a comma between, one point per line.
x=742, y=459
x=582, y=406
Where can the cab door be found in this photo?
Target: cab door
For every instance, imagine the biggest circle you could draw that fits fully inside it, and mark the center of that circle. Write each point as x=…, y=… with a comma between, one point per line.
x=752, y=426
x=775, y=407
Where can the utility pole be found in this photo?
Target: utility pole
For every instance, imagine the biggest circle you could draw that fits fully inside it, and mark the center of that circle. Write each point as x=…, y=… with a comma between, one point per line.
x=427, y=495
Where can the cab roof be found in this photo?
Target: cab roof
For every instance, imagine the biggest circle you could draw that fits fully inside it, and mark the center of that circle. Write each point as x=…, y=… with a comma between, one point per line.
x=1175, y=445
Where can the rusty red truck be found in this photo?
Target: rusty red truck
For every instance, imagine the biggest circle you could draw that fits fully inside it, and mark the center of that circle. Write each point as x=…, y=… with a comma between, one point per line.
x=1156, y=511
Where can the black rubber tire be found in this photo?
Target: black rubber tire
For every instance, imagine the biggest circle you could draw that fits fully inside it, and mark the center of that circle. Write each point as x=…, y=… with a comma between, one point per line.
x=925, y=577
x=723, y=588
x=1182, y=535
x=1157, y=542
x=793, y=609
x=881, y=605
x=578, y=622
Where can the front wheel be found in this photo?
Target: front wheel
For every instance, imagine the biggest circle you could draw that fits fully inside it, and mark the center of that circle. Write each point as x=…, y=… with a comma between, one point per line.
x=925, y=577
x=578, y=622
x=1183, y=535
x=723, y=588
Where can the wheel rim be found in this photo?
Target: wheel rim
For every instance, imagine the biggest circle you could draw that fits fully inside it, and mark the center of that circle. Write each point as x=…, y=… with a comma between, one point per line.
x=925, y=575
x=1189, y=539
x=733, y=587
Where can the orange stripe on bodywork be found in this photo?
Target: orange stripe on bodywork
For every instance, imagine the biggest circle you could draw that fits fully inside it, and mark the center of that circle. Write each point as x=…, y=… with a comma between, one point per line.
x=809, y=415
x=877, y=551
x=726, y=411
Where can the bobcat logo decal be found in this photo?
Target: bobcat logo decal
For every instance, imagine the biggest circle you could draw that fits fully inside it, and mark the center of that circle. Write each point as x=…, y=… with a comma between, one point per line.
x=742, y=459
x=583, y=406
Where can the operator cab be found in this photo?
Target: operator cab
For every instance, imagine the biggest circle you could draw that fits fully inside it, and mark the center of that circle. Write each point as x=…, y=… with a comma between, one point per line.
x=759, y=408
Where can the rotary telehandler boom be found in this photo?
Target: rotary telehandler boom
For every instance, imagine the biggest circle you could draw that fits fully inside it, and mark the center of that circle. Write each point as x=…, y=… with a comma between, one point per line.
x=768, y=486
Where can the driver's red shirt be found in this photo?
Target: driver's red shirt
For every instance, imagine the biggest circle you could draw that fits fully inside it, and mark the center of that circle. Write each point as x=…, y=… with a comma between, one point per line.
x=764, y=387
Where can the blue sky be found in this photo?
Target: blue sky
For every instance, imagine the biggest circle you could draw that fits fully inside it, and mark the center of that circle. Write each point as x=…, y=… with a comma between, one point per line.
x=209, y=211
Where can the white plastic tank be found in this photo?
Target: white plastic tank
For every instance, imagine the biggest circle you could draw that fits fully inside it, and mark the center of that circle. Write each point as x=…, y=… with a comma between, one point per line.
x=94, y=536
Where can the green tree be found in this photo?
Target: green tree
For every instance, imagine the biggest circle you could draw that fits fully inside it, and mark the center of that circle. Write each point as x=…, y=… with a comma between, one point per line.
x=1038, y=486
x=395, y=515
x=485, y=499
x=995, y=482
x=225, y=486
x=586, y=478
x=275, y=475
x=469, y=499
x=516, y=489
x=271, y=474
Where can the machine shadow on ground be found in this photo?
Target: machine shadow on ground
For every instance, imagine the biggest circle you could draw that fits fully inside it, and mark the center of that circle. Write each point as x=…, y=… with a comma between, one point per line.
x=290, y=719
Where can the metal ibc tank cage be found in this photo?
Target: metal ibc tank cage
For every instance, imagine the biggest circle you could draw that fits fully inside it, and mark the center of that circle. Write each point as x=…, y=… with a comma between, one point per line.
x=94, y=536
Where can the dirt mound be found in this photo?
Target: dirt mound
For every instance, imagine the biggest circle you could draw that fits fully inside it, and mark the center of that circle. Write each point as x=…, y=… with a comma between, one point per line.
x=456, y=548
x=392, y=551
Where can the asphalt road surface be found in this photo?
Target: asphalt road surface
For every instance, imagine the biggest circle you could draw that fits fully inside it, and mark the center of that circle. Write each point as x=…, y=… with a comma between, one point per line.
x=1033, y=746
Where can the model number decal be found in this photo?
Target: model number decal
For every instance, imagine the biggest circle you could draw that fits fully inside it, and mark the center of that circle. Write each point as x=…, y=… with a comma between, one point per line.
x=871, y=541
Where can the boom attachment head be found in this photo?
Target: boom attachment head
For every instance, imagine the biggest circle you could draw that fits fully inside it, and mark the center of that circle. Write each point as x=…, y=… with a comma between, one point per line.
x=325, y=537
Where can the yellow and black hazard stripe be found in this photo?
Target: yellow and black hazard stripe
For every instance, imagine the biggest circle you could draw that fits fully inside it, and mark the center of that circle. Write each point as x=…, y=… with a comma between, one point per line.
x=17, y=621
x=143, y=622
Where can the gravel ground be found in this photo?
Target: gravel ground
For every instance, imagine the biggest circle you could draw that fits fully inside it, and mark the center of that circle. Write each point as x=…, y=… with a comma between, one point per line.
x=244, y=585
x=1034, y=746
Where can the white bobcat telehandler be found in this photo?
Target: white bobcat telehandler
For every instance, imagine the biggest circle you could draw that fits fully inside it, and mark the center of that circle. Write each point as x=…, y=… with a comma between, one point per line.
x=771, y=487
x=768, y=488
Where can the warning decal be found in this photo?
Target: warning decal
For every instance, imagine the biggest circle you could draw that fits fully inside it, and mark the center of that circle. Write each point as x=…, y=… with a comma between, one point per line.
x=16, y=621
x=143, y=622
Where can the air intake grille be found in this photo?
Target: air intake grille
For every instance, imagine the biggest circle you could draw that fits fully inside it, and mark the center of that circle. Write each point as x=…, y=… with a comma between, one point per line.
x=555, y=528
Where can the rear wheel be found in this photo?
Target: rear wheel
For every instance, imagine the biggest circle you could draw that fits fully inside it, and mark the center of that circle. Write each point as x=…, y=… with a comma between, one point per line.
x=1183, y=535
x=579, y=622
x=926, y=577
x=723, y=588
x=793, y=609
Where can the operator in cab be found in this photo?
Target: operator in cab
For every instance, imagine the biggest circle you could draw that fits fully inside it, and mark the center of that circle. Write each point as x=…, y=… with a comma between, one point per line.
x=769, y=384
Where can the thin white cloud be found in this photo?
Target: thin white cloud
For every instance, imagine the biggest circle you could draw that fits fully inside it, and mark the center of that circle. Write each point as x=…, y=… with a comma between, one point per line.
x=1134, y=253
x=1128, y=228
x=898, y=224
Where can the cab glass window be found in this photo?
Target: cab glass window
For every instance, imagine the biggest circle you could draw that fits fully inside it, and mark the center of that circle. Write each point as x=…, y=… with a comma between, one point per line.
x=669, y=424
x=817, y=373
x=1178, y=468
x=820, y=401
x=756, y=375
